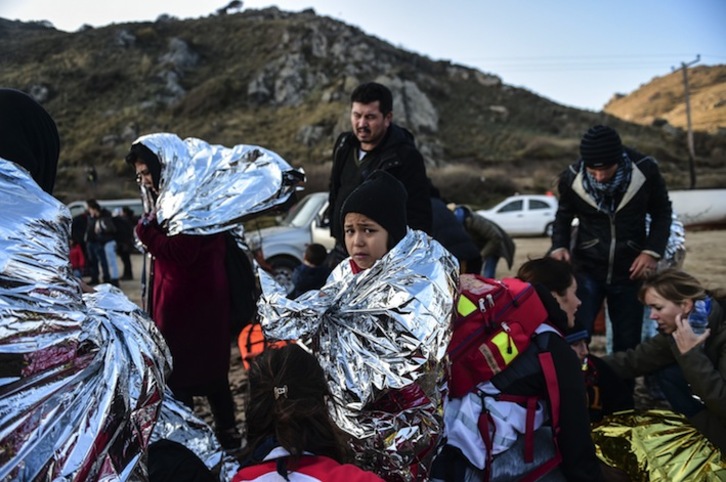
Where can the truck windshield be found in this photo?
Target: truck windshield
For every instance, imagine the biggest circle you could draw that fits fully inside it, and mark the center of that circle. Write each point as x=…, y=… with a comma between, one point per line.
x=305, y=211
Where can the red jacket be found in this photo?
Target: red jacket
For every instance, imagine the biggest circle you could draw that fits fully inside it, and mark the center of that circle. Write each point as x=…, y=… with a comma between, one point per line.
x=78, y=259
x=190, y=303
x=311, y=468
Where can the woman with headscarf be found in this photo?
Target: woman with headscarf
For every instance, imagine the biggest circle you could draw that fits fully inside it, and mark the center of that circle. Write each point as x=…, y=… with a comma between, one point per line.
x=190, y=303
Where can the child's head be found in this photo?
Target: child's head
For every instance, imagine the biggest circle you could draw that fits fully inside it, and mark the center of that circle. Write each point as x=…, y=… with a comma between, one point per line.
x=374, y=218
x=578, y=338
x=315, y=254
x=289, y=401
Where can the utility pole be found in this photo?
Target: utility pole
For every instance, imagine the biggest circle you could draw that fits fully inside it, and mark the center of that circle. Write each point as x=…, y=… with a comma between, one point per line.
x=691, y=149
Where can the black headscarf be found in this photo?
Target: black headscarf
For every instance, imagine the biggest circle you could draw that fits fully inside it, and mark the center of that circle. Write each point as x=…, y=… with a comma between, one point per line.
x=29, y=137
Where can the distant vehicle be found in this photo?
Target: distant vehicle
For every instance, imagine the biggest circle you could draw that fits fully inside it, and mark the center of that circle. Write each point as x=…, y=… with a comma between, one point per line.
x=283, y=246
x=700, y=207
x=524, y=214
x=77, y=207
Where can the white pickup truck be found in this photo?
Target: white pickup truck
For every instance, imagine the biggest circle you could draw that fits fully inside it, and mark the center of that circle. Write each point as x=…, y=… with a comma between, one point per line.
x=283, y=246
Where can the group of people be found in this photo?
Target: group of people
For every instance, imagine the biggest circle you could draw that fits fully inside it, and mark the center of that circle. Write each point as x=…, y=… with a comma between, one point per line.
x=361, y=392
x=98, y=238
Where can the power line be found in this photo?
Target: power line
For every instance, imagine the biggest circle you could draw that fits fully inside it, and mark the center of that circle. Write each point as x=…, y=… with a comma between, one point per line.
x=561, y=63
x=588, y=57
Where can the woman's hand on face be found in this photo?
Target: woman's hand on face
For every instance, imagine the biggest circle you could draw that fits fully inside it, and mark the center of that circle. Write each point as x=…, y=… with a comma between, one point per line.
x=685, y=339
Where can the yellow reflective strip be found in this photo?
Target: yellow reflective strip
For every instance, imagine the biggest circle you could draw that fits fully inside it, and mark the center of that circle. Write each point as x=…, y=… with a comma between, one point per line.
x=501, y=340
x=465, y=306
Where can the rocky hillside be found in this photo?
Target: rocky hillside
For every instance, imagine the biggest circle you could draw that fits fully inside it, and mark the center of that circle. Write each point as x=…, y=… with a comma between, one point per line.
x=282, y=80
x=662, y=100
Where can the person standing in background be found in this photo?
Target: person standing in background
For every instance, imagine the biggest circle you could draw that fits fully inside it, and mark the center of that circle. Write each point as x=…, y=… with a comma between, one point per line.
x=376, y=143
x=124, y=220
x=610, y=190
x=448, y=231
x=492, y=241
x=102, y=231
x=190, y=304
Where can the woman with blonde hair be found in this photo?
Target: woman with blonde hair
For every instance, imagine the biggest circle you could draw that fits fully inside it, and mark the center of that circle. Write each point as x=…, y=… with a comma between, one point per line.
x=690, y=345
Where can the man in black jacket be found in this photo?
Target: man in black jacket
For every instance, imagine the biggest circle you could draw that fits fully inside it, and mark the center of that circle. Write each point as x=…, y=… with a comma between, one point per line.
x=376, y=143
x=610, y=190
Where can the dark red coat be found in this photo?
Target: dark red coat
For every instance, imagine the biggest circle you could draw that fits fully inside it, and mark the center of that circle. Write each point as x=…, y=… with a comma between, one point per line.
x=190, y=303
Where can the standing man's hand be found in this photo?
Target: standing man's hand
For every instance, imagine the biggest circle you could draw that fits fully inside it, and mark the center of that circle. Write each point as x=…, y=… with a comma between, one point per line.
x=643, y=266
x=562, y=254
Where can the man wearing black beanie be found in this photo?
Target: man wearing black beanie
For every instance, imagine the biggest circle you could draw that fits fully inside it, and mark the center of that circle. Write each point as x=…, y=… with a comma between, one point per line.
x=610, y=190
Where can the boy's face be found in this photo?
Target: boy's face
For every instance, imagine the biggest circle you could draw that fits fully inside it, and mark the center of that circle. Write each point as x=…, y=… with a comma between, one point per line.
x=581, y=349
x=365, y=239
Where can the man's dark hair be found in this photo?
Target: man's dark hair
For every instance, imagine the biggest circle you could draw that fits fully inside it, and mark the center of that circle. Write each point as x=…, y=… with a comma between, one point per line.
x=315, y=254
x=371, y=92
x=93, y=204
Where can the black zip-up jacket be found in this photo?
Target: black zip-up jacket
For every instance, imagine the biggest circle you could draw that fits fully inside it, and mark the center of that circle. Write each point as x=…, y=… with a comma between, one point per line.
x=606, y=245
x=396, y=154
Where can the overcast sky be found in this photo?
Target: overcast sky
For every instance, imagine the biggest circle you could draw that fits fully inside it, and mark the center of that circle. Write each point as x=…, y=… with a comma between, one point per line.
x=575, y=52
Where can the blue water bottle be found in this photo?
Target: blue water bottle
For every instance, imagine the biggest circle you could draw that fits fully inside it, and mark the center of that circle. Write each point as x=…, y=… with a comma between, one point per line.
x=698, y=317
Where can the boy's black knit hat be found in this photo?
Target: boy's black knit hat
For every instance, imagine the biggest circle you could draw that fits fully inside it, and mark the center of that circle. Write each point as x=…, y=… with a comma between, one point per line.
x=577, y=333
x=601, y=147
x=382, y=198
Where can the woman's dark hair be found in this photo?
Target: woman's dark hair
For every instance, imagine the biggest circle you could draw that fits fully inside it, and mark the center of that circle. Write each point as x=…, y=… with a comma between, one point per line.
x=554, y=274
x=140, y=153
x=289, y=402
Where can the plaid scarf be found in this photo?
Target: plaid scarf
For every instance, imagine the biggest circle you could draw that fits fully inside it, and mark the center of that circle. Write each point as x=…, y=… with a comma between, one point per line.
x=608, y=194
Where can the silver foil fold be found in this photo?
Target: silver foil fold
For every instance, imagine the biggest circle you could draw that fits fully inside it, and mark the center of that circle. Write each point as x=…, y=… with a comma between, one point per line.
x=381, y=337
x=81, y=376
x=675, y=252
x=178, y=423
x=207, y=189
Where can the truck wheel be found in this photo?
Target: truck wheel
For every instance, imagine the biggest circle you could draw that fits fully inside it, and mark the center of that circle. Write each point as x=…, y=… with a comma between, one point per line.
x=282, y=268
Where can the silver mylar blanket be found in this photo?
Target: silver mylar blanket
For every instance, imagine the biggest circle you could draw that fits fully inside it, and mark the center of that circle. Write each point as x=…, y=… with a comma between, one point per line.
x=675, y=251
x=81, y=376
x=80, y=387
x=381, y=329
x=207, y=189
